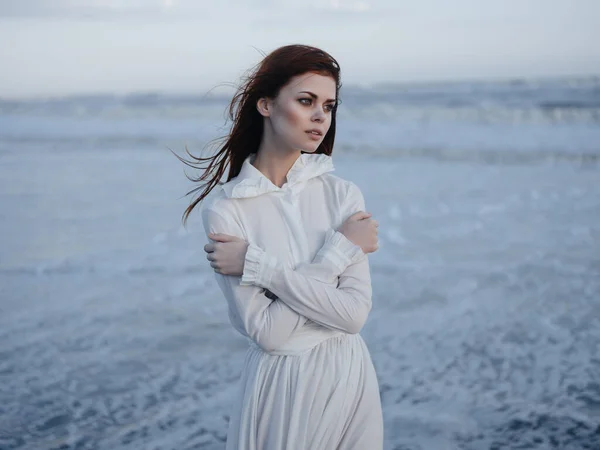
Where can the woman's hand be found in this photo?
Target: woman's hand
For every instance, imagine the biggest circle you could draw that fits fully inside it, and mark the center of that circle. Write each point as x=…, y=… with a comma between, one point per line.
x=361, y=230
x=227, y=255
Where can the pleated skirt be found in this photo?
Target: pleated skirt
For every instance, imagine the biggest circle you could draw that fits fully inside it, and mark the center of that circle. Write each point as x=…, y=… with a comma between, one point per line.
x=325, y=398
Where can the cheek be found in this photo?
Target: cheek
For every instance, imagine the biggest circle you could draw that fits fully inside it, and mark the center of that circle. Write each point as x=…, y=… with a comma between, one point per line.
x=292, y=117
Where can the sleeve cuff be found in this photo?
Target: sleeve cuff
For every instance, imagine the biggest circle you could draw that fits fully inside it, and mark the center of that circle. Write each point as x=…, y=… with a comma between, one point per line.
x=258, y=268
x=339, y=250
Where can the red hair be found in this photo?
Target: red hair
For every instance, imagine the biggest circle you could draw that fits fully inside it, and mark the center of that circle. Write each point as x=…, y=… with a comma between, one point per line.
x=265, y=80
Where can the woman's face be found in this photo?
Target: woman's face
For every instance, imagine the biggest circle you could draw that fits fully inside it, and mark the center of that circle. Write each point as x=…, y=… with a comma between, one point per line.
x=300, y=115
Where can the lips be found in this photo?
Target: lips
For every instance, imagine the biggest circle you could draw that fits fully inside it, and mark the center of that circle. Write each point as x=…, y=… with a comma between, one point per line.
x=315, y=132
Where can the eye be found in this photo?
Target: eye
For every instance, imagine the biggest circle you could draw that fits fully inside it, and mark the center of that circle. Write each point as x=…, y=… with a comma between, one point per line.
x=305, y=101
x=329, y=107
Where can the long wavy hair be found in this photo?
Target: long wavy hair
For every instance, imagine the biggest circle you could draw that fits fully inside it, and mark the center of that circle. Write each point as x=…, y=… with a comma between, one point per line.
x=264, y=80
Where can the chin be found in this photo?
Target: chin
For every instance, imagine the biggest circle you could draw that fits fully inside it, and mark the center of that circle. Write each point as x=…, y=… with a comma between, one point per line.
x=309, y=148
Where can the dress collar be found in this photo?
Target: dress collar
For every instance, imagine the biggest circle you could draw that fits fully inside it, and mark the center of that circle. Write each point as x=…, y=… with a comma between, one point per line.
x=251, y=182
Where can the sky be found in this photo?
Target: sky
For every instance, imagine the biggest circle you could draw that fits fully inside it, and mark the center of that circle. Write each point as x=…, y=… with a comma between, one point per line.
x=58, y=47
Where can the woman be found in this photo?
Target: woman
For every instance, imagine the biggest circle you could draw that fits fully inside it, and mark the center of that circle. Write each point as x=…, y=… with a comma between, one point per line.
x=288, y=247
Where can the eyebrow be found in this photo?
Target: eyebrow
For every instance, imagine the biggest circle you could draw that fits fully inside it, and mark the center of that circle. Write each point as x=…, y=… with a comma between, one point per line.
x=315, y=96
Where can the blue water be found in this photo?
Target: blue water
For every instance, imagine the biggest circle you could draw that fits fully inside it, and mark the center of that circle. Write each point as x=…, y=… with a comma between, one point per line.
x=485, y=328
x=508, y=120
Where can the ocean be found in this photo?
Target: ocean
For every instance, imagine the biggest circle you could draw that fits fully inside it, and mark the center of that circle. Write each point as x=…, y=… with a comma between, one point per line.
x=485, y=328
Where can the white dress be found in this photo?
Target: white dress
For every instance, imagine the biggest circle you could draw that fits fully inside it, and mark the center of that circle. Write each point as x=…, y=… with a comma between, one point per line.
x=308, y=382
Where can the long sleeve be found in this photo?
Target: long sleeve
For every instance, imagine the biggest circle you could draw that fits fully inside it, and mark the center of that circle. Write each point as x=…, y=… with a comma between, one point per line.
x=268, y=323
x=344, y=307
x=332, y=259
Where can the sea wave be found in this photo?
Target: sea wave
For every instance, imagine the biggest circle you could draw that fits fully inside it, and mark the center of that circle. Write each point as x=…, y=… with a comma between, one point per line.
x=569, y=100
x=487, y=156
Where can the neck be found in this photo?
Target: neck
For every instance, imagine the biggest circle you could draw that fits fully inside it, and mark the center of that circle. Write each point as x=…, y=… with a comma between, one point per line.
x=273, y=162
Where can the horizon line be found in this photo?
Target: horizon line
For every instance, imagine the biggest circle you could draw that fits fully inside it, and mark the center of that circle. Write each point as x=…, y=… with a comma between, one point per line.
x=371, y=85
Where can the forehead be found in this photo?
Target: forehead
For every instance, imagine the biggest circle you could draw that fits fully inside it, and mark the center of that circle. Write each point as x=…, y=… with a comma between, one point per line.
x=321, y=85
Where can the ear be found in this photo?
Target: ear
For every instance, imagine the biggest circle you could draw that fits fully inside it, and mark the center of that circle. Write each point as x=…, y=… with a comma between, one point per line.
x=263, y=105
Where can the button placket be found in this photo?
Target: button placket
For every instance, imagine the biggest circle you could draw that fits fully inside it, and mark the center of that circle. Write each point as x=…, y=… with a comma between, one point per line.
x=293, y=218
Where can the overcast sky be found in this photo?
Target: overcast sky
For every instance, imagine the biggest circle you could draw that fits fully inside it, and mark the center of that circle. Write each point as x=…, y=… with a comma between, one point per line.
x=54, y=47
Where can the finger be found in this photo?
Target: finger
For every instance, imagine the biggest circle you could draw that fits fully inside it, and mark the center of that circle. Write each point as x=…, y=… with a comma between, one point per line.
x=210, y=257
x=209, y=248
x=214, y=265
x=360, y=215
x=222, y=237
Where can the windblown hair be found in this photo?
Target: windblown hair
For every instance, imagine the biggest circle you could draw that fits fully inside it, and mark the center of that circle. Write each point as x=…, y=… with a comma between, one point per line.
x=264, y=80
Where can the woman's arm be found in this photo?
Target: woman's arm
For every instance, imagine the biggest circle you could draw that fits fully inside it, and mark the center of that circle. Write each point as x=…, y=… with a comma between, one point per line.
x=348, y=244
x=268, y=323
x=349, y=300
x=344, y=307
x=332, y=259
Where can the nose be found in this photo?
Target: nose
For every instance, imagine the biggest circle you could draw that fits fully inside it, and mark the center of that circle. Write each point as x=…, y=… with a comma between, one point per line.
x=318, y=116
